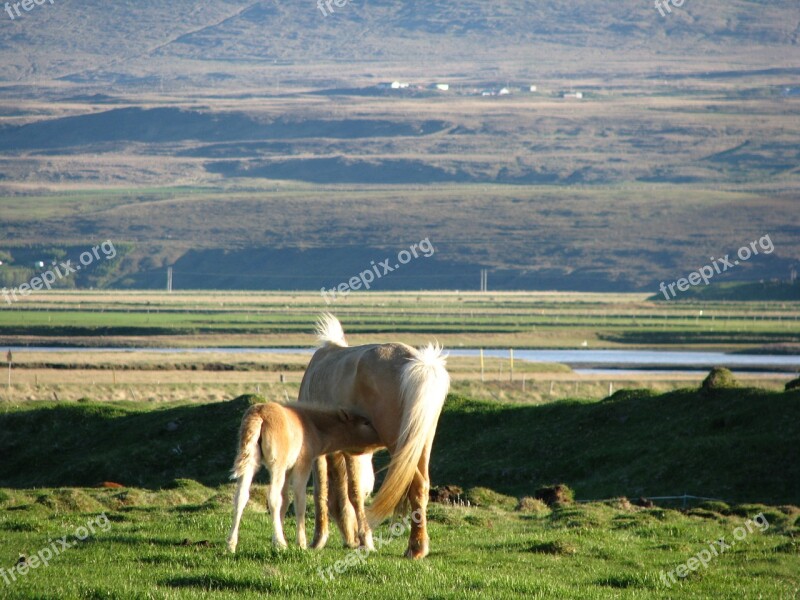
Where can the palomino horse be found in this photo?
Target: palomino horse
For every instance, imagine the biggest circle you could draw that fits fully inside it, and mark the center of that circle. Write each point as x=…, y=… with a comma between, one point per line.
x=401, y=390
x=287, y=439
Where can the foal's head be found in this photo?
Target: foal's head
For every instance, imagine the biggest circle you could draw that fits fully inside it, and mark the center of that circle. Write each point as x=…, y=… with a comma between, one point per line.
x=359, y=433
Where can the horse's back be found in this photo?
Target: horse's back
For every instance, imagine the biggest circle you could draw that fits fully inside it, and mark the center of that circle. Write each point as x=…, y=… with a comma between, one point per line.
x=345, y=367
x=367, y=377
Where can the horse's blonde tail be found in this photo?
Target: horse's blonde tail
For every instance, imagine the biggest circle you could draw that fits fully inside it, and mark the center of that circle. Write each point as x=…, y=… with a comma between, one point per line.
x=424, y=383
x=249, y=453
x=329, y=331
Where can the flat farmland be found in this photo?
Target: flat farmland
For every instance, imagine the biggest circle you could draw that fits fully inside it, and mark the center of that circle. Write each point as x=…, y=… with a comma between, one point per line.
x=455, y=319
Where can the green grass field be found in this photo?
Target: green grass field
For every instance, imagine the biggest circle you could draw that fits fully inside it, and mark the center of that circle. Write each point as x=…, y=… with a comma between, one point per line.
x=162, y=535
x=170, y=544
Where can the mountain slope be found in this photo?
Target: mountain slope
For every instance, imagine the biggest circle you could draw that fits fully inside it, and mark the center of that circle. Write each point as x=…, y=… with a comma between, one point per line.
x=100, y=39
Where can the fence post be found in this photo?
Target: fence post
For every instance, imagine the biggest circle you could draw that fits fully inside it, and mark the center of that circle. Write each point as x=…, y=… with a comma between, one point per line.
x=9, y=358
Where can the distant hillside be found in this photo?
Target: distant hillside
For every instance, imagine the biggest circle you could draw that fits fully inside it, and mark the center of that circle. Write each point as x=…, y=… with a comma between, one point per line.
x=774, y=291
x=123, y=43
x=256, y=145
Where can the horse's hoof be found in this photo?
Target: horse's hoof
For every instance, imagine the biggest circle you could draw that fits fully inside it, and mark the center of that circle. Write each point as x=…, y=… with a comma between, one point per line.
x=417, y=550
x=319, y=544
x=366, y=541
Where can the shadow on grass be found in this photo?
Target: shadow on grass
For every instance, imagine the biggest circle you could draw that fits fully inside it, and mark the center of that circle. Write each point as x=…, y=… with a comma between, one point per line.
x=633, y=444
x=212, y=583
x=131, y=540
x=86, y=444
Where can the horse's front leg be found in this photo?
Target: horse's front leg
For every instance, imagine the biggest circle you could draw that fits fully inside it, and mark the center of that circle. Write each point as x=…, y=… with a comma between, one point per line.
x=321, y=525
x=356, y=495
x=339, y=502
x=418, y=541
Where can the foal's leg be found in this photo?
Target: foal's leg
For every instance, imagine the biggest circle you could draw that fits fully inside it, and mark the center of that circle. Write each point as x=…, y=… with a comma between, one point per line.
x=300, y=481
x=278, y=478
x=320, y=503
x=240, y=499
x=285, y=496
x=418, y=541
x=343, y=511
x=356, y=496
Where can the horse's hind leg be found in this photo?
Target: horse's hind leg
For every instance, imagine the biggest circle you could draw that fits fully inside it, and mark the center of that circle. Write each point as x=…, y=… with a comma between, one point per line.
x=356, y=495
x=320, y=472
x=418, y=542
x=339, y=501
x=240, y=499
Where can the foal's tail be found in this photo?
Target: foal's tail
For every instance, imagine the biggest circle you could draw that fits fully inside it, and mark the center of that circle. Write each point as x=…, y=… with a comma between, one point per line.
x=249, y=454
x=424, y=382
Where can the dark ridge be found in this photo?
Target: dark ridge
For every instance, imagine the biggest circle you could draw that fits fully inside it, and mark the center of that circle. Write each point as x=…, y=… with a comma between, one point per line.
x=158, y=125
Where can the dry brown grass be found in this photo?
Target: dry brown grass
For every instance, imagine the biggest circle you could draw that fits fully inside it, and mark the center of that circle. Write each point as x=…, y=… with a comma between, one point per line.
x=532, y=382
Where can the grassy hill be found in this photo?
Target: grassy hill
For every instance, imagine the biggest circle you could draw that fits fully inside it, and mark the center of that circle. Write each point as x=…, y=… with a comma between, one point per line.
x=731, y=445
x=737, y=445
